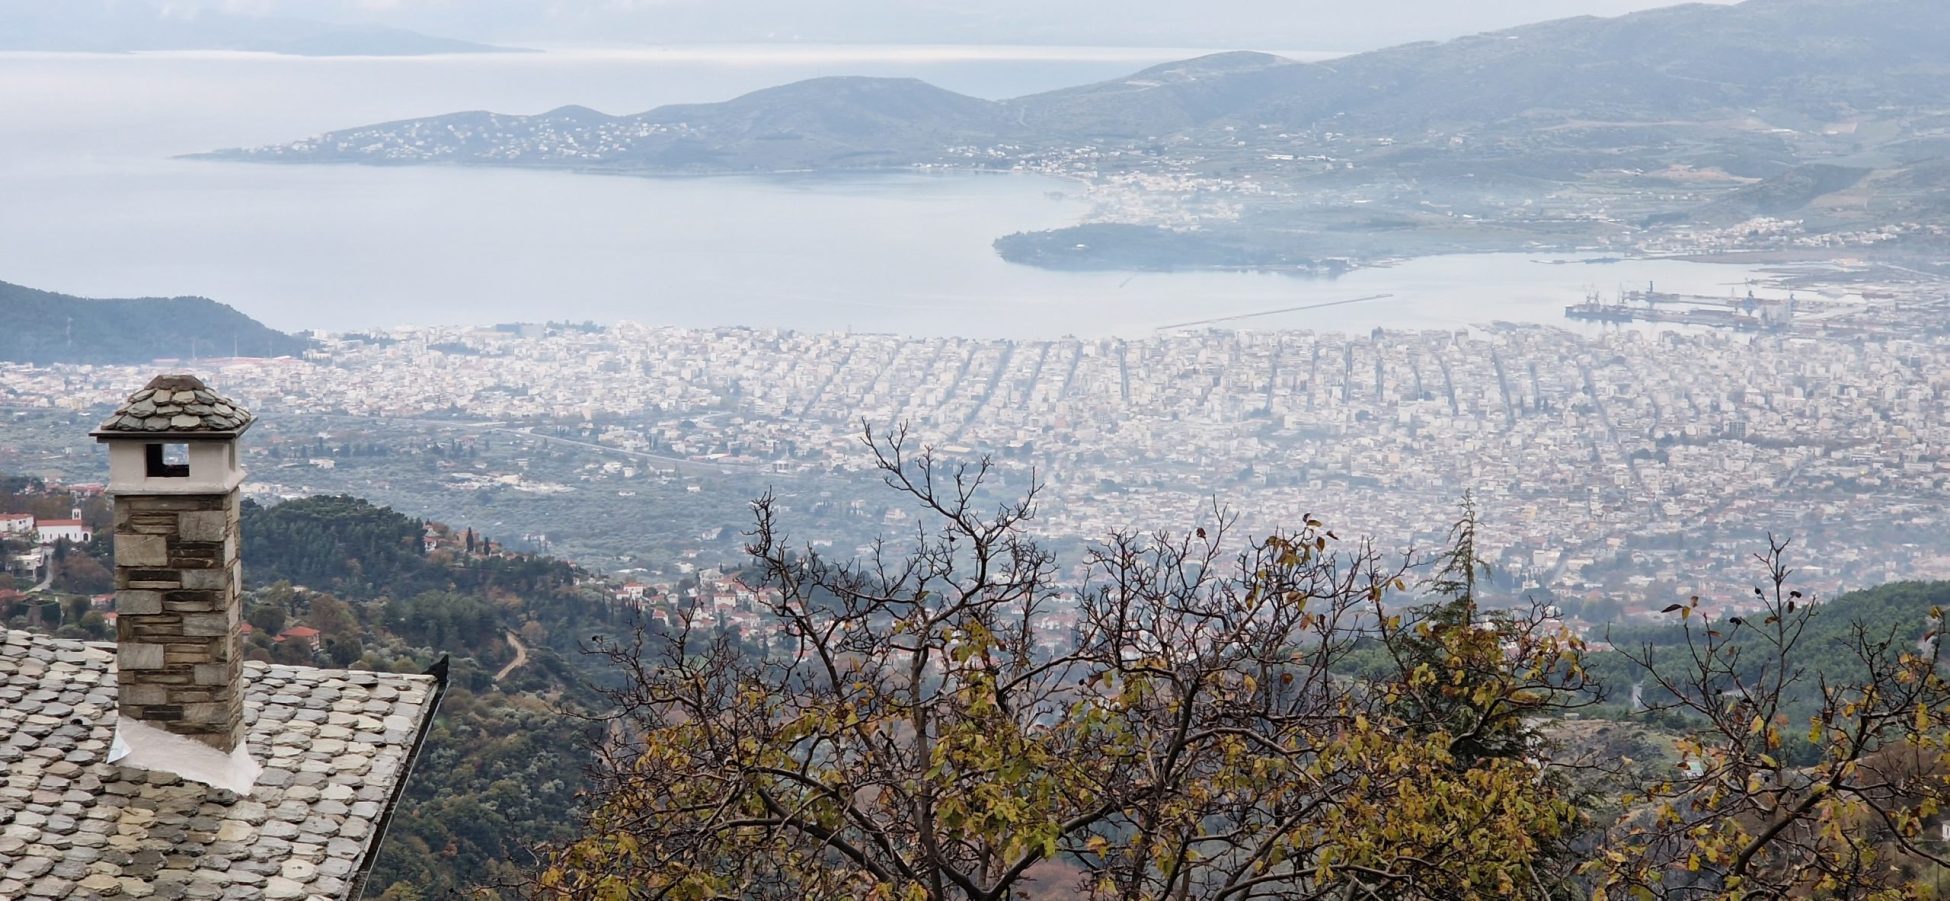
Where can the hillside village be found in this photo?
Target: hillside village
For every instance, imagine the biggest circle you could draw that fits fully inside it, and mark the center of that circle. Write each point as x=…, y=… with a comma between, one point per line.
x=43, y=534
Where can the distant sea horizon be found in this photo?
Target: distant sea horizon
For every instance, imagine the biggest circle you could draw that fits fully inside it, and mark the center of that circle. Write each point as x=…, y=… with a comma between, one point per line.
x=99, y=205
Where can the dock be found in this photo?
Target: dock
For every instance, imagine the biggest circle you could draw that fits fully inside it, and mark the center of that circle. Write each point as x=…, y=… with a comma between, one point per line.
x=1748, y=313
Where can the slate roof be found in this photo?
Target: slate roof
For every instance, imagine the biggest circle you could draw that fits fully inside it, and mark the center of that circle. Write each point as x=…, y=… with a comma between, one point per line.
x=178, y=404
x=334, y=744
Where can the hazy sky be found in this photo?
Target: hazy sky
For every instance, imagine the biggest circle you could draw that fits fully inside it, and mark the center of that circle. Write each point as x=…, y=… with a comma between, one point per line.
x=1264, y=24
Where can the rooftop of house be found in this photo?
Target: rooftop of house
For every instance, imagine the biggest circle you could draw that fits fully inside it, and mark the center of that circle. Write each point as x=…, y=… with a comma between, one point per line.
x=335, y=746
x=177, y=405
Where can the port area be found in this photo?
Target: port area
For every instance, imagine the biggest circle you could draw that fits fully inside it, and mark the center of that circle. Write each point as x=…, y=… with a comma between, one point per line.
x=1816, y=313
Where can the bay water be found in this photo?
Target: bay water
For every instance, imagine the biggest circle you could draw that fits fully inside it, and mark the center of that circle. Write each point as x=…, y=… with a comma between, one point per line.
x=95, y=201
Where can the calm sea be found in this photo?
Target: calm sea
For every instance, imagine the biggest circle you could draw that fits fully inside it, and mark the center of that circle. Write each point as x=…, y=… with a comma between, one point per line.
x=92, y=202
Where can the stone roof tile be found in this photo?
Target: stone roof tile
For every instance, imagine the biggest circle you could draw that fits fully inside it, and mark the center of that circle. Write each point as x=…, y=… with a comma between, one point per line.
x=178, y=404
x=74, y=826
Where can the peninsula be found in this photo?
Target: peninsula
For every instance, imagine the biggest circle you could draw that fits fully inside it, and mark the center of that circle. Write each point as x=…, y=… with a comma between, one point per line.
x=42, y=327
x=1777, y=125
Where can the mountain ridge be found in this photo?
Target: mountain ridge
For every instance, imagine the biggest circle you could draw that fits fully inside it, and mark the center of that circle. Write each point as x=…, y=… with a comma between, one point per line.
x=1698, y=62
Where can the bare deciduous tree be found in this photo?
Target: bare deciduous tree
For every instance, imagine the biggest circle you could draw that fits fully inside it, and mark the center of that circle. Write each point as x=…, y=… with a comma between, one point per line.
x=917, y=729
x=1738, y=818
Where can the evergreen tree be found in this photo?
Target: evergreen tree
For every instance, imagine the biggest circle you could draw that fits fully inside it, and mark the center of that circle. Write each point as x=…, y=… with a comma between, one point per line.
x=1452, y=636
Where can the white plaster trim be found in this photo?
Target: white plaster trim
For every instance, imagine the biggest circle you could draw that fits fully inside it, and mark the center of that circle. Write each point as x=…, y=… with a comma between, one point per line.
x=138, y=744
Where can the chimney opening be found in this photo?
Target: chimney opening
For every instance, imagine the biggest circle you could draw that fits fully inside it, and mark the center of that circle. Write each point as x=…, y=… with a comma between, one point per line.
x=169, y=461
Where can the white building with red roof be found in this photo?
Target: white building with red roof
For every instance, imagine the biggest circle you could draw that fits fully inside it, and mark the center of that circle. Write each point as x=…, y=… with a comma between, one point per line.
x=72, y=530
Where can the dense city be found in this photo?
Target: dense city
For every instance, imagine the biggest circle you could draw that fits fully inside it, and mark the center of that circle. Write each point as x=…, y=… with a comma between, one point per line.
x=1619, y=470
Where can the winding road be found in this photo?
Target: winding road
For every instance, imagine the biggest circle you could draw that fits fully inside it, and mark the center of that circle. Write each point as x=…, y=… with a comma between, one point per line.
x=521, y=656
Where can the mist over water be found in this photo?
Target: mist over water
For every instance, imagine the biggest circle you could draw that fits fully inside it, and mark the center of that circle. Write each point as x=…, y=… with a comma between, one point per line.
x=95, y=204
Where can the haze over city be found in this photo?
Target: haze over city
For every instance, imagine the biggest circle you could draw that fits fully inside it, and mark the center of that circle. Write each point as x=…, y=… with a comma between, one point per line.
x=873, y=449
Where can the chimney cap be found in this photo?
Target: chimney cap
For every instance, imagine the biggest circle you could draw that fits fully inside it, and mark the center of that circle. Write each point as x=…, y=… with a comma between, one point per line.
x=176, y=406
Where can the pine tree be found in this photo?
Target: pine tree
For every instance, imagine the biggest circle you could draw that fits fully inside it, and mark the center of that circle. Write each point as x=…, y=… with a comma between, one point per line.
x=1452, y=635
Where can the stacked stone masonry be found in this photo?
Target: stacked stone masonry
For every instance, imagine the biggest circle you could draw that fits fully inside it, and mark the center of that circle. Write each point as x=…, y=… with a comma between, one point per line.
x=177, y=583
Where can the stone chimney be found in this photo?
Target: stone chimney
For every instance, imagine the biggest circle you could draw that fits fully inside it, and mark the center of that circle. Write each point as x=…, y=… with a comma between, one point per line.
x=174, y=474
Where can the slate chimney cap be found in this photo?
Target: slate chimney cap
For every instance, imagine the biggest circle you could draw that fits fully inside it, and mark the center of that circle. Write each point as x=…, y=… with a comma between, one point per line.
x=176, y=406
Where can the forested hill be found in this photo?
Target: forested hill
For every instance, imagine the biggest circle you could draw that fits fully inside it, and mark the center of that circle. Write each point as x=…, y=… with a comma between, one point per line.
x=43, y=327
x=504, y=760
x=1899, y=609
x=1828, y=646
x=348, y=546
